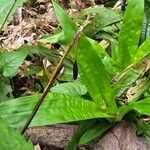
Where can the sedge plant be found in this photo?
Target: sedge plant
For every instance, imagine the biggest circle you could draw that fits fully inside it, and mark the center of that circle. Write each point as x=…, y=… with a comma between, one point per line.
x=99, y=99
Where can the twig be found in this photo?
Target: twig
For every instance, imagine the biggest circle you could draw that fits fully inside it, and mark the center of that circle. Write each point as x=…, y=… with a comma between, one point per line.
x=52, y=80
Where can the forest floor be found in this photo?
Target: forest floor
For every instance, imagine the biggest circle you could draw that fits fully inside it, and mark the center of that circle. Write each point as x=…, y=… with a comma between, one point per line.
x=27, y=25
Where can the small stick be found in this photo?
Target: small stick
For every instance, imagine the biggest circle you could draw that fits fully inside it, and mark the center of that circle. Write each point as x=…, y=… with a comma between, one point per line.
x=52, y=80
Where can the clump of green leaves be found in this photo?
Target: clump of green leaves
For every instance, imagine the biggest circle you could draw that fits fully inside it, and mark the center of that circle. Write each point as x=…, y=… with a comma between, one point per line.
x=109, y=86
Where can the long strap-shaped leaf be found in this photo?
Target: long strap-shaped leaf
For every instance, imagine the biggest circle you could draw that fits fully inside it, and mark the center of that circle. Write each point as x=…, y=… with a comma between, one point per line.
x=56, y=108
x=94, y=75
x=7, y=8
x=9, y=139
x=142, y=106
x=103, y=18
x=91, y=68
x=128, y=76
x=146, y=22
x=130, y=32
x=83, y=127
x=95, y=131
x=68, y=26
x=143, y=50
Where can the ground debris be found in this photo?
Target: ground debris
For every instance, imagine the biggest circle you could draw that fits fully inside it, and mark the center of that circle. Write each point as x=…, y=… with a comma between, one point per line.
x=27, y=25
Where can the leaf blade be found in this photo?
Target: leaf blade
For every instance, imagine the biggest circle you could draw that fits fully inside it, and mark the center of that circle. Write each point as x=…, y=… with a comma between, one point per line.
x=57, y=108
x=75, y=88
x=5, y=8
x=94, y=132
x=9, y=139
x=103, y=18
x=94, y=75
x=83, y=127
x=102, y=90
x=142, y=107
x=143, y=50
x=10, y=61
x=130, y=32
x=66, y=22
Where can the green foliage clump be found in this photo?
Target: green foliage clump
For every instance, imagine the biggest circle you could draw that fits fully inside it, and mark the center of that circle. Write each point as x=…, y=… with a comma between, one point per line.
x=109, y=86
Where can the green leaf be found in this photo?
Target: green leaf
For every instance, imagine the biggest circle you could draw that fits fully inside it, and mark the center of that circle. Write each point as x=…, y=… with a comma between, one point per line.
x=130, y=32
x=143, y=128
x=66, y=22
x=146, y=26
x=83, y=127
x=96, y=10
x=99, y=49
x=94, y=132
x=114, y=47
x=139, y=89
x=143, y=50
x=95, y=80
x=104, y=18
x=41, y=50
x=51, y=38
x=56, y=108
x=9, y=139
x=142, y=107
x=7, y=8
x=75, y=88
x=2, y=50
x=10, y=61
x=94, y=75
x=5, y=90
x=109, y=63
x=130, y=75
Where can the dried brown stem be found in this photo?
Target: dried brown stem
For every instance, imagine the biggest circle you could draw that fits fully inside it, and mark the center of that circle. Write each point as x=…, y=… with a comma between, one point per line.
x=52, y=80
